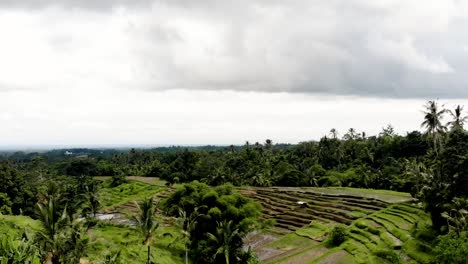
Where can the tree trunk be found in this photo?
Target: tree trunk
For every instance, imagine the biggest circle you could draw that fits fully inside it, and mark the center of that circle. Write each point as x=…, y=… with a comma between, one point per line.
x=226, y=255
x=149, y=254
x=186, y=255
x=55, y=259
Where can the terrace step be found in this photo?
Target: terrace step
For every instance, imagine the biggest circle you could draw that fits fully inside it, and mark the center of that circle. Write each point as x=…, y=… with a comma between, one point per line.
x=400, y=215
x=275, y=201
x=365, y=206
x=325, y=197
x=337, y=204
x=286, y=226
x=288, y=217
x=329, y=216
x=329, y=207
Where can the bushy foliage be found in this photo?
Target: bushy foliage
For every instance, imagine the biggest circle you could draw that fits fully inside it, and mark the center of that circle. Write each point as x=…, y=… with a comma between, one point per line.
x=451, y=249
x=389, y=255
x=19, y=191
x=5, y=204
x=218, y=208
x=18, y=250
x=117, y=180
x=337, y=236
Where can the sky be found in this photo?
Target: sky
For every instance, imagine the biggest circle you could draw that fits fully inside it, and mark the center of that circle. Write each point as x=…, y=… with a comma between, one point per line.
x=186, y=72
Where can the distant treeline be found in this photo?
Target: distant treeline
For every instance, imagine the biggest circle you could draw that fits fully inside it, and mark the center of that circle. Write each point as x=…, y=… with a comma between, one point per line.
x=351, y=160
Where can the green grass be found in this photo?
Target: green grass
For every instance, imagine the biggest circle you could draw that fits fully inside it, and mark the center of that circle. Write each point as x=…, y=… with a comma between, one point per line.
x=110, y=238
x=290, y=241
x=14, y=225
x=127, y=192
x=344, y=259
x=313, y=231
x=417, y=251
x=395, y=220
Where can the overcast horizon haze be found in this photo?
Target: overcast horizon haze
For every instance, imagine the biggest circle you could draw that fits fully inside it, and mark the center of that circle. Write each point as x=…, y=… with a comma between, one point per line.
x=218, y=72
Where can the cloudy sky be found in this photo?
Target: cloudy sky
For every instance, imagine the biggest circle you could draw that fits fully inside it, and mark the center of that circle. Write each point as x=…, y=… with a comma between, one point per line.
x=159, y=72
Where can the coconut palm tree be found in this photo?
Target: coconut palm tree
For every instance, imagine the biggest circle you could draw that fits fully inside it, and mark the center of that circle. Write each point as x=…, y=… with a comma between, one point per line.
x=433, y=116
x=146, y=222
x=417, y=172
x=187, y=222
x=333, y=133
x=351, y=134
x=458, y=119
x=223, y=239
x=62, y=238
x=53, y=221
x=91, y=200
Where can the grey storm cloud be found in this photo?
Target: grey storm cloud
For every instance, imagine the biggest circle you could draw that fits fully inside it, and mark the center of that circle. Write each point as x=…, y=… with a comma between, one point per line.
x=388, y=48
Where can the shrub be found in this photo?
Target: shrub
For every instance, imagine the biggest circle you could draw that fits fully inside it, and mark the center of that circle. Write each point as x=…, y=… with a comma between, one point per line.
x=5, y=204
x=388, y=255
x=451, y=249
x=117, y=180
x=269, y=223
x=338, y=235
x=326, y=181
x=373, y=230
x=425, y=233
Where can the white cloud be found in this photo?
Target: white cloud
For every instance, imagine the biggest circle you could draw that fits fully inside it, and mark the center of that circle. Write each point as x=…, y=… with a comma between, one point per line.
x=124, y=117
x=298, y=46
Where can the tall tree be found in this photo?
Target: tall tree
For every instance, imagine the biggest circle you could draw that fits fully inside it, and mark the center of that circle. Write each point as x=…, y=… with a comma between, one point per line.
x=147, y=223
x=225, y=234
x=53, y=221
x=458, y=119
x=62, y=238
x=187, y=223
x=333, y=133
x=433, y=116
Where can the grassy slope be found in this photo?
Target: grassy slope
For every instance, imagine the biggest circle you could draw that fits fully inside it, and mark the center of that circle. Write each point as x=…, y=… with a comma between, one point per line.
x=110, y=238
x=14, y=225
x=106, y=237
x=127, y=192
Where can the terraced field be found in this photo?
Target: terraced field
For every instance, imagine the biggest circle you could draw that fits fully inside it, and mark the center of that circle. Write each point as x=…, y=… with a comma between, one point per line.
x=378, y=230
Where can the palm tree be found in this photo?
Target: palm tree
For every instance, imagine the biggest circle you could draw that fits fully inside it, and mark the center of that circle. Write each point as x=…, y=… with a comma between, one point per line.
x=91, y=199
x=351, y=134
x=418, y=173
x=53, y=222
x=333, y=133
x=433, y=123
x=147, y=223
x=223, y=238
x=387, y=131
x=260, y=179
x=62, y=238
x=458, y=119
x=187, y=224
